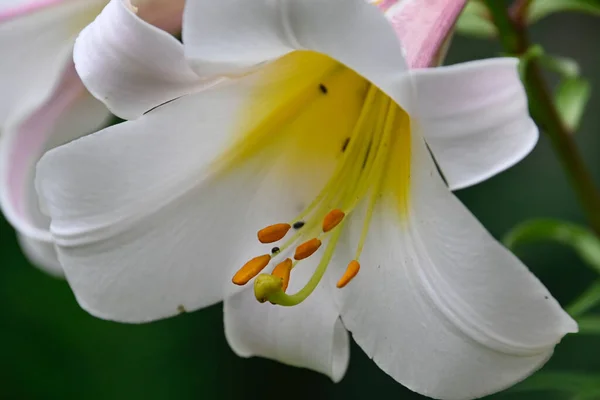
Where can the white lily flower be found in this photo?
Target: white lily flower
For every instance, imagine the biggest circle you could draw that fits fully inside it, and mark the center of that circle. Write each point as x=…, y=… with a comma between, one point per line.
x=318, y=134
x=44, y=104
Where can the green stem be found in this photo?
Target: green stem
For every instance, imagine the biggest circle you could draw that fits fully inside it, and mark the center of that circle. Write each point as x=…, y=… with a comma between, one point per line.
x=514, y=39
x=519, y=11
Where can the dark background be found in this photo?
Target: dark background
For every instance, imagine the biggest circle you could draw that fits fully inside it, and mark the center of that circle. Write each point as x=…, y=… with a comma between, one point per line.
x=51, y=349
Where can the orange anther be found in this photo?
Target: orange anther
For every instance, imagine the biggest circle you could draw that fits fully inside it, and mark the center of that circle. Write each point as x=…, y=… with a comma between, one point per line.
x=350, y=273
x=307, y=249
x=273, y=233
x=332, y=219
x=282, y=270
x=251, y=269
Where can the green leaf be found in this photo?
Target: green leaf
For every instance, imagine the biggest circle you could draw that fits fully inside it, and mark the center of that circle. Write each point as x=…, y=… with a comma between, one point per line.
x=542, y=8
x=586, y=301
x=584, y=242
x=589, y=325
x=564, y=66
x=572, y=94
x=474, y=21
x=571, y=97
x=571, y=382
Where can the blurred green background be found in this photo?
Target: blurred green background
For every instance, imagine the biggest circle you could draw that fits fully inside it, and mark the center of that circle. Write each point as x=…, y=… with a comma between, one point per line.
x=51, y=349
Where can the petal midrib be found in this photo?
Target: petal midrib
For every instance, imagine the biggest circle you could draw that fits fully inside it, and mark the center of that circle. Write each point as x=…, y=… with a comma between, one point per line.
x=459, y=313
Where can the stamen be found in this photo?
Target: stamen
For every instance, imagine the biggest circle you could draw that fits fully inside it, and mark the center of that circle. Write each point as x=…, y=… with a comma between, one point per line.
x=251, y=269
x=351, y=271
x=276, y=295
x=358, y=175
x=388, y=131
x=273, y=233
x=332, y=219
x=307, y=249
x=282, y=270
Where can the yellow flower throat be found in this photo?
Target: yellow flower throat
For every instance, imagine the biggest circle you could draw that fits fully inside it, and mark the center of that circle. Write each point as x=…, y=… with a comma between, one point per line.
x=376, y=140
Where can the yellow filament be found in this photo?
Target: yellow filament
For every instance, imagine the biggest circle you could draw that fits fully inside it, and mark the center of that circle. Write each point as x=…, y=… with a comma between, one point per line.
x=376, y=189
x=376, y=139
x=368, y=176
x=342, y=173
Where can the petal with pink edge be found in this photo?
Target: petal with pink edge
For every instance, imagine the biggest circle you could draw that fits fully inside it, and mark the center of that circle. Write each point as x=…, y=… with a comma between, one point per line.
x=36, y=40
x=71, y=112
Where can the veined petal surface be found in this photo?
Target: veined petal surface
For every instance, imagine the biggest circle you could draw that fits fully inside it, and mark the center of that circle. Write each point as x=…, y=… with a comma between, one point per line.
x=475, y=118
x=439, y=304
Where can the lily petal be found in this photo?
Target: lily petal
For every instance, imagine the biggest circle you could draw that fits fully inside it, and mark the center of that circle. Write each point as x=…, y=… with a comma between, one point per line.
x=474, y=117
x=423, y=27
x=147, y=225
x=309, y=335
x=130, y=65
x=235, y=36
x=36, y=46
x=7, y=6
x=71, y=112
x=385, y=4
x=445, y=309
x=41, y=254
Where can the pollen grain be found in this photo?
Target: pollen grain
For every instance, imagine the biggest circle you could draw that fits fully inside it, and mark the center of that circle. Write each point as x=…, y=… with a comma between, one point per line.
x=282, y=270
x=332, y=219
x=273, y=233
x=251, y=269
x=351, y=271
x=307, y=249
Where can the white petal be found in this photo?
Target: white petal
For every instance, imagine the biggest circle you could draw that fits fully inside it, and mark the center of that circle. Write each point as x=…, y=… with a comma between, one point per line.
x=308, y=335
x=143, y=222
x=440, y=305
x=9, y=5
x=232, y=36
x=36, y=47
x=71, y=112
x=42, y=254
x=131, y=65
x=475, y=119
